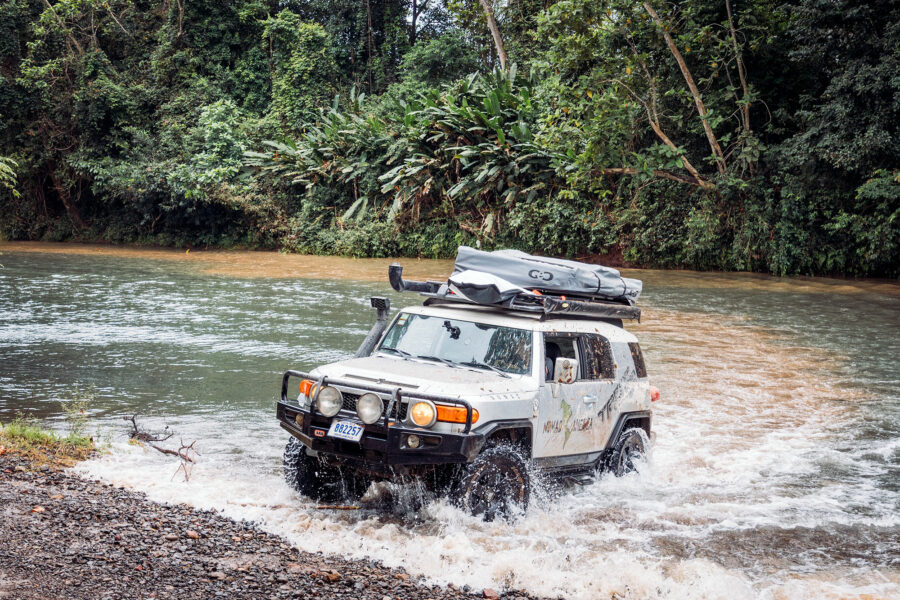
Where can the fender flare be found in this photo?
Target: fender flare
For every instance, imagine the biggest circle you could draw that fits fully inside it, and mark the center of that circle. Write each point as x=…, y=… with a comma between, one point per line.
x=624, y=419
x=494, y=427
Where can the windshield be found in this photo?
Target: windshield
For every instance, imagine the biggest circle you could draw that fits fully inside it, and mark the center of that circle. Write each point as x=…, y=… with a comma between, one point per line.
x=461, y=343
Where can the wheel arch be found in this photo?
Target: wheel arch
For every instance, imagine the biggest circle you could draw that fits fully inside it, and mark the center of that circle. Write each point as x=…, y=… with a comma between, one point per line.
x=517, y=432
x=630, y=420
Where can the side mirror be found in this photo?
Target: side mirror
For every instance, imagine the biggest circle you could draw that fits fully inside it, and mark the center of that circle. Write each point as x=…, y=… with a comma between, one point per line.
x=565, y=371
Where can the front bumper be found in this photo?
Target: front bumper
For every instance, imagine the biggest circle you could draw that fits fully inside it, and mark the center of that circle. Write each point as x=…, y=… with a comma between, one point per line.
x=381, y=447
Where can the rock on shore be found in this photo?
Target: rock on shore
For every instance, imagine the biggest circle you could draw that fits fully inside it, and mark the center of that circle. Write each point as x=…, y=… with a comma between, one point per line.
x=62, y=536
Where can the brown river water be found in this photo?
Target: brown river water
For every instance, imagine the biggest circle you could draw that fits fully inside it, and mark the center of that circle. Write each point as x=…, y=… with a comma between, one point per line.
x=775, y=471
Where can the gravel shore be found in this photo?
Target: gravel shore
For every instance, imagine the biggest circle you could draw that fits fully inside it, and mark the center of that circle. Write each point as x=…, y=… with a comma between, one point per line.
x=62, y=536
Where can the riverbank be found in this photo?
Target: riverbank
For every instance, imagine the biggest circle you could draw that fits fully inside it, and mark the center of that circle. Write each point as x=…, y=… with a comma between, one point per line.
x=62, y=536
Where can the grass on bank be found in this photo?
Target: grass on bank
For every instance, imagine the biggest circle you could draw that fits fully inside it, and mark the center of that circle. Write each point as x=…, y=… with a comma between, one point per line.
x=26, y=438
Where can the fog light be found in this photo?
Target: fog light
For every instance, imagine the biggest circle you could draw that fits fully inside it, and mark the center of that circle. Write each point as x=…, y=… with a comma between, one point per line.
x=413, y=441
x=299, y=420
x=329, y=401
x=369, y=408
x=422, y=413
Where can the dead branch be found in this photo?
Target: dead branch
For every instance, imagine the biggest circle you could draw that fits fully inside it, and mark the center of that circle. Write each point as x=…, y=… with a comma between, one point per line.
x=183, y=451
x=187, y=462
x=144, y=436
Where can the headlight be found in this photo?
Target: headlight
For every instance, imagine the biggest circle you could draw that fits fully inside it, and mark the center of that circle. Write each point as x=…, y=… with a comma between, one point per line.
x=369, y=408
x=422, y=413
x=329, y=401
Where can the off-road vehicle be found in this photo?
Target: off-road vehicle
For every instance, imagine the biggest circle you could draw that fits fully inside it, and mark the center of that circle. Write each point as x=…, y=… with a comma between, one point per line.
x=484, y=385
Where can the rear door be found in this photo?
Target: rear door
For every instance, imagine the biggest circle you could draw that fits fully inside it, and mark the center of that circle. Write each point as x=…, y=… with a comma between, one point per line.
x=566, y=417
x=600, y=370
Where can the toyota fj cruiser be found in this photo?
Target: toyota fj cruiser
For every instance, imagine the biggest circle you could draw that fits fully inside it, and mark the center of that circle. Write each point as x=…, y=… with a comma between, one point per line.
x=472, y=399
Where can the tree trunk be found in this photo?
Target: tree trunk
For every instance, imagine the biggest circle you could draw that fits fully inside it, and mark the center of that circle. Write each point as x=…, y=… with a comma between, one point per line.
x=495, y=32
x=698, y=101
x=416, y=13
x=64, y=197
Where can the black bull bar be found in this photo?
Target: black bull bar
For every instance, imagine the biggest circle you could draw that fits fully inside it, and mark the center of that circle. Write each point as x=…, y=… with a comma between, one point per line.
x=394, y=392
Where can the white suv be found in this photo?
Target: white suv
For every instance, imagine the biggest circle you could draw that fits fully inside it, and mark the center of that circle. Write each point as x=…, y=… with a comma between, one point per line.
x=473, y=400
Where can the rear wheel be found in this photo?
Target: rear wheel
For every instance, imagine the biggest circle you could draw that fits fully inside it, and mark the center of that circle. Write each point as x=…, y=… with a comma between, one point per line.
x=495, y=484
x=322, y=482
x=631, y=447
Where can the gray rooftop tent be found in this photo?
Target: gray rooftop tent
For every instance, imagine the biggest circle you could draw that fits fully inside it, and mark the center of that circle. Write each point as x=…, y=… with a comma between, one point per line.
x=554, y=275
x=515, y=280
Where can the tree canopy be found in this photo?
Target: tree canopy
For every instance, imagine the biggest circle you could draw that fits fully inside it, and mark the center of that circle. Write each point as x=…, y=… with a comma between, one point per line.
x=734, y=134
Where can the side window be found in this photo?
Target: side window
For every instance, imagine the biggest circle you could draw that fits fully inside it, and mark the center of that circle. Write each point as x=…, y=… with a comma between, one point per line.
x=558, y=347
x=598, y=360
x=639, y=367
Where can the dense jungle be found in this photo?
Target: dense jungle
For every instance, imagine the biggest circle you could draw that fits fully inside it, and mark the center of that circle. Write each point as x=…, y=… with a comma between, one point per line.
x=751, y=135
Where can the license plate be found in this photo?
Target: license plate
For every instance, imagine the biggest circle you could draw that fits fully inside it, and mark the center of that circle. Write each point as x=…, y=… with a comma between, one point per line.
x=346, y=430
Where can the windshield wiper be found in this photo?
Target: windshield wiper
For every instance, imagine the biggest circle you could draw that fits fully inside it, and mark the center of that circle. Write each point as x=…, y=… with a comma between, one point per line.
x=449, y=363
x=403, y=354
x=481, y=365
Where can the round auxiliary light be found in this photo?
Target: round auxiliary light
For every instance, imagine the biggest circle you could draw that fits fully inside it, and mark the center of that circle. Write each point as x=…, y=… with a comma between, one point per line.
x=369, y=408
x=329, y=401
x=413, y=441
x=422, y=413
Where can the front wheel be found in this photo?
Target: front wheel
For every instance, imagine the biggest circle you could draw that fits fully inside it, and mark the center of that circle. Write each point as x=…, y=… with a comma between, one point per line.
x=317, y=480
x=630, y=448
x=494, y=484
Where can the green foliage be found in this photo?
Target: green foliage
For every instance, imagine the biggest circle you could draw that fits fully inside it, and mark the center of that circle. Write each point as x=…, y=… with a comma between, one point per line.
x=336, y=126
x=27, y=433
x=8, y=175
x=75, y=410
x=445, y=58
x=304, y=67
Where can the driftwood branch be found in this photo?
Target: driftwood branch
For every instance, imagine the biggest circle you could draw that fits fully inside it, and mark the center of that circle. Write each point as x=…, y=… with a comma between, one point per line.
x=145, y=436
x=185, y=452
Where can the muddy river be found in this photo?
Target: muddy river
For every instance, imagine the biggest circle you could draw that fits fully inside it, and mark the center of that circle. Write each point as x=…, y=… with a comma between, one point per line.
x=775, y=472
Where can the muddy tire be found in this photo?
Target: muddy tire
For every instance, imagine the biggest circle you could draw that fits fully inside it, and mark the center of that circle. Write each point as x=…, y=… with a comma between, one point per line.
x=631, y=446
x=495, y=484
x=317, y=480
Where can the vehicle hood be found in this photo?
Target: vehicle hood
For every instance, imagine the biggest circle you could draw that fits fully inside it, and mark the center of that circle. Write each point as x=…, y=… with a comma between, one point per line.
x=426, y=377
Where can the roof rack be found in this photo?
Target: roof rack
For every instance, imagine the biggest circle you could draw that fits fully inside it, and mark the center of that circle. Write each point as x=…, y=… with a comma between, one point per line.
x=550, y=304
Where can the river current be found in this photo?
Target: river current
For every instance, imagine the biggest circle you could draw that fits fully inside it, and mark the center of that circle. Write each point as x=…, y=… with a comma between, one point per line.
x=775, y=472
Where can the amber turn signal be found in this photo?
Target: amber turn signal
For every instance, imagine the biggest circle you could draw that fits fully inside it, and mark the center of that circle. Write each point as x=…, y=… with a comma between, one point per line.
x=307, y=388
x=454, y=414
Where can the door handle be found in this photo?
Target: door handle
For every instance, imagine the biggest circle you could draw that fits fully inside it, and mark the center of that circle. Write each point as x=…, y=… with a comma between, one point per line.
x=589, y=399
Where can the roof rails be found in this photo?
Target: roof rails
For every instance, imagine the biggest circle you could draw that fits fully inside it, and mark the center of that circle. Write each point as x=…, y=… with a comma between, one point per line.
x=550, y=304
